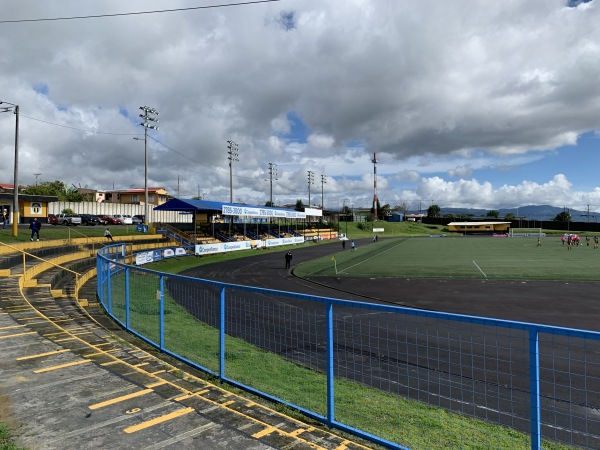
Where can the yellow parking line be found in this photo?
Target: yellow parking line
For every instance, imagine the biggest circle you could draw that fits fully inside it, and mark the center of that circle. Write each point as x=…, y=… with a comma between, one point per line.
x=17, y=335
x=156, y=421
x=62, y=366
x=12, y=326
x=265, y=432
x=41, y=355
x=120, y=399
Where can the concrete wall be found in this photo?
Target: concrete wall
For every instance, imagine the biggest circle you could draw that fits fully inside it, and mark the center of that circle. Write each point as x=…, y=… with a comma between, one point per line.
x=120, y=208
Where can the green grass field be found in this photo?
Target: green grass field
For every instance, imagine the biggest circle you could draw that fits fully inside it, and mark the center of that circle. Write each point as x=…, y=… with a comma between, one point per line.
x=459, y=257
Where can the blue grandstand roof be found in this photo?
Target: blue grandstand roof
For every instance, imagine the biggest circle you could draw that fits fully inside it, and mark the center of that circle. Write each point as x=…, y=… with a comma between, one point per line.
x=184, y=204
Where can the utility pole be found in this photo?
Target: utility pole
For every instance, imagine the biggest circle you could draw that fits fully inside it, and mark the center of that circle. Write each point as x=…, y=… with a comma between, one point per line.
x=36, y=178
x=15, y=213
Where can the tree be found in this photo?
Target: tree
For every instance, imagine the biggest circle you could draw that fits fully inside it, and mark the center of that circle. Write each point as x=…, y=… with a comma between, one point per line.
x=433, y=211
x=379, y=215
x=299, y=205
x=55, y=189
x=269, y=204
x=493, y=213
x=384, y=211
x=510, y=216
x=564, y=216
x=401, y=208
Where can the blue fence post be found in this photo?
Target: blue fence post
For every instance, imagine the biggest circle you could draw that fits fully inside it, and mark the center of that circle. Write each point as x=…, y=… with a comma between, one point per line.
x=127, y=297
x=222, y=335
x=534, y=389
x=108, y=289
x=330, y=371
x=162, y=311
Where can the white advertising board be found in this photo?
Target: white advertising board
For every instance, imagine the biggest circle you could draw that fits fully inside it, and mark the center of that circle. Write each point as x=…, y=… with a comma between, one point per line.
x=206, y=249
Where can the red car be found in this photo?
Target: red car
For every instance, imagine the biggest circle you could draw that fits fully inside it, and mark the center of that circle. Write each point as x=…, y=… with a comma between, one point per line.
x=109, y=220
x=52, y=219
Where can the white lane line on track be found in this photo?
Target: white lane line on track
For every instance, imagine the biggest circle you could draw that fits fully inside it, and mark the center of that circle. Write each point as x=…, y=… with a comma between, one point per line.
x=480, y=269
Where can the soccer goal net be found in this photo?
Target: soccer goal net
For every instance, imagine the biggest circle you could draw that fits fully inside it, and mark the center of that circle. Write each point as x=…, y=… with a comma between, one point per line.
x=526, y=232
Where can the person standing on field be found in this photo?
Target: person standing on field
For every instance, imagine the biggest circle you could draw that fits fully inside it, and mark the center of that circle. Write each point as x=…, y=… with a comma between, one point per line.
x=288, y=260
x=35, y=227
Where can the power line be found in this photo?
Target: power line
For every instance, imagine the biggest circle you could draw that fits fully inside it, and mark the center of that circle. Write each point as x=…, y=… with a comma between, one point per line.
x=137, y=13
x=79, y=129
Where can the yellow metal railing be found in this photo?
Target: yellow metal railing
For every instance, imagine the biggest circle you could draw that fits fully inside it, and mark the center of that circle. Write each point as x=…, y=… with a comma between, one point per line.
x=29, y=274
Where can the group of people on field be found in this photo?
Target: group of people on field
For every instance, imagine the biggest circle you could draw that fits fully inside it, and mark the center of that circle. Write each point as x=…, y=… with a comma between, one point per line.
x=574, y=239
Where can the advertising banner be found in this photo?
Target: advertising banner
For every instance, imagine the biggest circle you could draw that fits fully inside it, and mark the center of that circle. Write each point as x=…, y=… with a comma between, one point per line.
x=284, y=241
x=206, y=249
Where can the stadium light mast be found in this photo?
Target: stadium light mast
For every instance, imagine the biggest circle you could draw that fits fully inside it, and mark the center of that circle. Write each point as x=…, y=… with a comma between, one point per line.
x=272, y=175
x=15, y=213
x=149, y=121
x=311, y=180
x=323, y=181
x=374, y=161
x=233, y=155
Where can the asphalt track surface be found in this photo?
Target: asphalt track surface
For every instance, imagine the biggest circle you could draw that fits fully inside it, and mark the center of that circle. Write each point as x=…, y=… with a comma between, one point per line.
x=557, y=303
x=569, y=305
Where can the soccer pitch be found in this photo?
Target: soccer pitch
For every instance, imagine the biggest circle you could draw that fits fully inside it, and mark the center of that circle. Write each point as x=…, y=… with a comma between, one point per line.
x=461, y=257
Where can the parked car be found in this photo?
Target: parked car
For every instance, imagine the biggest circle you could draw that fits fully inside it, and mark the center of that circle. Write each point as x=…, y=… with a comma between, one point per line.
x=89, y=219
x=136, y=220
x=140, y=217
x=52, y=219
x=109, y=220
x=102, y=218
x=124, y=219
x=69, y=219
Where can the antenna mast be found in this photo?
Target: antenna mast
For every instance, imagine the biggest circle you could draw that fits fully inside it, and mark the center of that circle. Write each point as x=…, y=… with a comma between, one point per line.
x=374, y=161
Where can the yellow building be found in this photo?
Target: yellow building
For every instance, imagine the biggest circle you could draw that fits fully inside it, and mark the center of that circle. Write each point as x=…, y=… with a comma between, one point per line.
x=479, y=227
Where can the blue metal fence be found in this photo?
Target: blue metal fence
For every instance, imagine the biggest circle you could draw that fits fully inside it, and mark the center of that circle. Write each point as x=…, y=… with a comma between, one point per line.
x=400, y=377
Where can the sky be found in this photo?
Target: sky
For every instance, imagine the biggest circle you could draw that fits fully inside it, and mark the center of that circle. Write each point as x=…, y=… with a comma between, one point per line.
x=466, y=103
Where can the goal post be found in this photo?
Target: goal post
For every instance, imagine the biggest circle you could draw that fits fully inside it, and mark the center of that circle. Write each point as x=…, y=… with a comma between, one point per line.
x=527, y=232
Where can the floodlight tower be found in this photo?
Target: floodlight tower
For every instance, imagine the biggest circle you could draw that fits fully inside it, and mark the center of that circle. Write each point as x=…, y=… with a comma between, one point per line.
x=148, y=121
x=272, y=174
x=374, y=161
x=311, y=180
x=323, y=181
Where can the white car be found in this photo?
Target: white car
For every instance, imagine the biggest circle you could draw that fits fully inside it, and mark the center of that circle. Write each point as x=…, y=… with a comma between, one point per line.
x=125, y=219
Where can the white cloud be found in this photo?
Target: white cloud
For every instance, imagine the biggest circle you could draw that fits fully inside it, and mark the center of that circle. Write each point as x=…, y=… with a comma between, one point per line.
x=462, y=88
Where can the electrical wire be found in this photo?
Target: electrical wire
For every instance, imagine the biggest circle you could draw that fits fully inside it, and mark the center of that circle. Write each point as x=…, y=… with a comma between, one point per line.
x=78, y=129
x=138, y=13
x=183, y=155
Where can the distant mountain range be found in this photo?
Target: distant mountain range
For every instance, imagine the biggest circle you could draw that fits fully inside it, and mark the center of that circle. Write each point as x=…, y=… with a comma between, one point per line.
x=531, y=212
